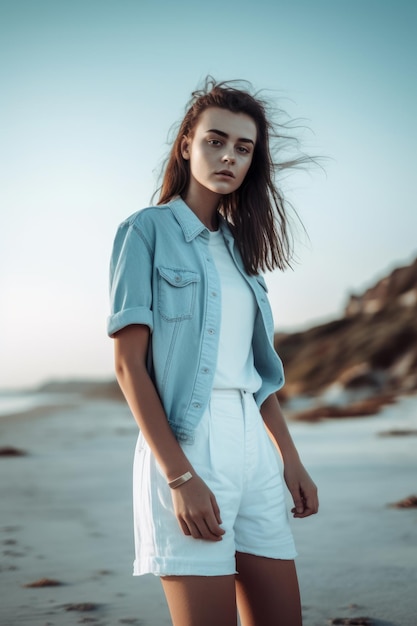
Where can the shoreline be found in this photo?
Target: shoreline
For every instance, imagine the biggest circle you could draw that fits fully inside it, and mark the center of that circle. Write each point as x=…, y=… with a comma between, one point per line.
x=38, y=411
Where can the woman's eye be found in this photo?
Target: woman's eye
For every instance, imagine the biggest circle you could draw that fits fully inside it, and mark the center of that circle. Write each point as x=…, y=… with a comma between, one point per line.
x=243, y=149
x=214, y=142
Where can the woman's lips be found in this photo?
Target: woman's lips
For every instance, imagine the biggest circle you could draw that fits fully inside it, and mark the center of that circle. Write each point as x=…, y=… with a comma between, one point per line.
x=227, y=173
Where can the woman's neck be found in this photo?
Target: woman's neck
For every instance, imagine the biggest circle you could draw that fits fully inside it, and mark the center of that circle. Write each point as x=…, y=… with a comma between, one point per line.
x=204, y=204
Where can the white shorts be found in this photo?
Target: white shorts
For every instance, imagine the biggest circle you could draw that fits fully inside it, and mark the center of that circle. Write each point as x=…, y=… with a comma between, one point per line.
x=234, y=455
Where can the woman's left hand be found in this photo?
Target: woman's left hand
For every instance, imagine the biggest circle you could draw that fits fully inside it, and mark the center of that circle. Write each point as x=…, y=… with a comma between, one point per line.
x=302, y=489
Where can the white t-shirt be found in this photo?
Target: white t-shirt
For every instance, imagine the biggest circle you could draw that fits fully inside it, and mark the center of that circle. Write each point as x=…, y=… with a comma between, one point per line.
x=235, y=367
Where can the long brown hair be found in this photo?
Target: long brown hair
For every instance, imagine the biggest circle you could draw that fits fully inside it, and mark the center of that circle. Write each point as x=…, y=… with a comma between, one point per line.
x=257, y=211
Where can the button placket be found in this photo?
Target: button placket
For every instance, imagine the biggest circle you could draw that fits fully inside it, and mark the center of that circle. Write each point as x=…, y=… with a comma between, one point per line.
x=202, y=387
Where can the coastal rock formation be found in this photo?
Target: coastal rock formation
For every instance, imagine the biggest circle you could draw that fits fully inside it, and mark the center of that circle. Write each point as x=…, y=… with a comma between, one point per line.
x=371, y=350
x=400, y=286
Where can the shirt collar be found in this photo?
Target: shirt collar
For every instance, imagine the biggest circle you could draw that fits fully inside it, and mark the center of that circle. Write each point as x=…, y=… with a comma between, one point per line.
x=190, y=224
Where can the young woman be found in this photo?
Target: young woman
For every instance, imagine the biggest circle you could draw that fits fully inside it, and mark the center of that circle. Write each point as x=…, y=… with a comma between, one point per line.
x=194, y=355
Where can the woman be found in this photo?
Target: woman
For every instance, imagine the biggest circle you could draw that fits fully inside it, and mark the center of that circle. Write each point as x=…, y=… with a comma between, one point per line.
x=194, y=356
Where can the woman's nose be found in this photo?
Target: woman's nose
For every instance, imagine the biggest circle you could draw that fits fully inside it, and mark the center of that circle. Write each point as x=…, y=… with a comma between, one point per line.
x=228, y=156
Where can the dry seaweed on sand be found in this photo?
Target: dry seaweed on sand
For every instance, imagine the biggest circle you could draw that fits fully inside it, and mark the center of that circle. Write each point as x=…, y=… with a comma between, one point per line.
x=407, y=503
x=10, y=451
x=44, y=582
x=83, y=606
x=351, y=621
x=399, y=432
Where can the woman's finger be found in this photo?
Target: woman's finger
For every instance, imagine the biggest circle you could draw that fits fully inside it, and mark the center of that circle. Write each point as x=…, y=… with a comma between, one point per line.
x=184, y=527
x=310, y=505
x=213, y=527
x=216, y=509
x=194, y=530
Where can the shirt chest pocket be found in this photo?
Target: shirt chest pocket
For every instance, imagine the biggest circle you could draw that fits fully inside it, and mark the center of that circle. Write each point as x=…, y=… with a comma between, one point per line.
x=177, y=292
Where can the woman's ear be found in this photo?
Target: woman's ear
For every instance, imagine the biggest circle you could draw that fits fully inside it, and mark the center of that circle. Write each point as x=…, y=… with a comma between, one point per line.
x=185, y=148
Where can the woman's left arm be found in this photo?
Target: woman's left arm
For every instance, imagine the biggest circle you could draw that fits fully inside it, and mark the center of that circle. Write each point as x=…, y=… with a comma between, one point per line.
x=302, y=488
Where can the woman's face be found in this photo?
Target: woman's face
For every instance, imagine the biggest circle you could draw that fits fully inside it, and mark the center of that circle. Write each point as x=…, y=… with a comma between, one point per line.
x=220, y=151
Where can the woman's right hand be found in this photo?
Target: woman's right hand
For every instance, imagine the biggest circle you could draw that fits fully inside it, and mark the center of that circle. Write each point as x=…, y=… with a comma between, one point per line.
x=195, y=505
x=197, y=511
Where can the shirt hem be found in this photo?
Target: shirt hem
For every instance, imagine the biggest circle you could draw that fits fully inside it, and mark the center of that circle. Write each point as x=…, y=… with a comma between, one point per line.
x=137, y=315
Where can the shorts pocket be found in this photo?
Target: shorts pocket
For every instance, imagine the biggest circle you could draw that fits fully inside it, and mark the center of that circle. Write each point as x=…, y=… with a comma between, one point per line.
x=140, y=443
x=177, y=290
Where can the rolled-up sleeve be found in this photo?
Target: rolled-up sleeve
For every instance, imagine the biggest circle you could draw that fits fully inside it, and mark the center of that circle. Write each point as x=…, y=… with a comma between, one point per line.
x=130, y=280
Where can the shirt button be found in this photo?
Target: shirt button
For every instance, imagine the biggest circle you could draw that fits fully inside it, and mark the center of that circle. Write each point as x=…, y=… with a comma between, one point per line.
x=196, y=405
x=214, y=294
x=211, y=331
x=177, y=279
x=205, y=370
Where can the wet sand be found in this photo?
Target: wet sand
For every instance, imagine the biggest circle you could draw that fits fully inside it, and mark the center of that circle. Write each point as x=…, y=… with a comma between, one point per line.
x=66, y=517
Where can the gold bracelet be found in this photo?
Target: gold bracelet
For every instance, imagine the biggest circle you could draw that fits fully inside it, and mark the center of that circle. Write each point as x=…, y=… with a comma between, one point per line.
x=180, y=480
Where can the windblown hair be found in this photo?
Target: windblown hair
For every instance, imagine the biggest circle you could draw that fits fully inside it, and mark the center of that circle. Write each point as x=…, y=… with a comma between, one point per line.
x=256, y=212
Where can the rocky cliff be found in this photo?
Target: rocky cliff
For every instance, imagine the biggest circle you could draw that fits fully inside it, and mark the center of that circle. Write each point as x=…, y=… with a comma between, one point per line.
x=373, y=346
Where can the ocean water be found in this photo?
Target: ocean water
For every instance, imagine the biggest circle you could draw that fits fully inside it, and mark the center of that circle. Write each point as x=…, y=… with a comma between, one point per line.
x=14, y=402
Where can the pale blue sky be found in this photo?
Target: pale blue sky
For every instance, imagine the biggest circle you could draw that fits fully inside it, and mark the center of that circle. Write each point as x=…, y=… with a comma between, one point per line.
x=89, y=92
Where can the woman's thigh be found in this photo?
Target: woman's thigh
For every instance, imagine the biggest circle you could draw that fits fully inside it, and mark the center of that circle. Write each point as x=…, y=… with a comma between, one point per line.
x=201, y=600
x=267, y=591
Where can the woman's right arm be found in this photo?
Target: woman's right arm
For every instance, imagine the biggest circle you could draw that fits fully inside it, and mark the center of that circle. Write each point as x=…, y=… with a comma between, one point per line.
x=195, y=505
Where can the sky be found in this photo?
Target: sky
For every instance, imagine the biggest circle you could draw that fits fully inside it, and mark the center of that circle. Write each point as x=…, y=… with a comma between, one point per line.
x=89, y=92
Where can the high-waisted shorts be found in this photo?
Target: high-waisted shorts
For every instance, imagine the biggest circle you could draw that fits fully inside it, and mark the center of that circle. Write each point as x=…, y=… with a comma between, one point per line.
x=234, y=455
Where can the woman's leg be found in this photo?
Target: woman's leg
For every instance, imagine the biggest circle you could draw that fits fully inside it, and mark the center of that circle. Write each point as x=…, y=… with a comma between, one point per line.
x=201, y=600
x=267, y=591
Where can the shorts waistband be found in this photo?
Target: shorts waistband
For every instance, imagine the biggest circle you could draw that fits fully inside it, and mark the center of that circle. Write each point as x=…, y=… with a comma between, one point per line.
x=230, y=393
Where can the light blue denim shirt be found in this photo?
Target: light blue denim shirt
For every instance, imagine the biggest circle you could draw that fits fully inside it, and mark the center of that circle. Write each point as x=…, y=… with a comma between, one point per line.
x=163, y=275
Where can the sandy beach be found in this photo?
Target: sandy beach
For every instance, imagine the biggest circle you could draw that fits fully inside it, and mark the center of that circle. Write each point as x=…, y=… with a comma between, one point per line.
x=66, y=517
